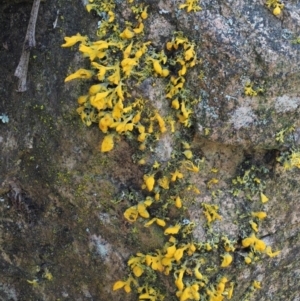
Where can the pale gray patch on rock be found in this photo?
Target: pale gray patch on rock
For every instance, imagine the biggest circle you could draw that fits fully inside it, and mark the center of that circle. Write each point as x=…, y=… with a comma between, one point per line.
x=8, y=292
x=103, y=248
x=286, y=103
x=164, y=148
x=243, y=117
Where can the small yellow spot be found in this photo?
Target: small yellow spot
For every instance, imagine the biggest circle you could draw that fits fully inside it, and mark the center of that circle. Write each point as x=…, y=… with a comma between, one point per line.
x=107, y=144
x=176, y=175
x=81, y=73
x=248, y=260
x=189, y=165
x=144, y=14
x=164, y=182
x=131, y=214
x=170, y=251
x=254, y=226
x=149, y=181
x=211, y=182
x=269, y=252
x=256, y=284
x=259, y=214
x=33, y=282
x=178, y=202
x=70, y=41
x=172, y=230
x=137, y=270
x=47, y=275
x=139, y=29
x=188, y=154
x=127, y=34
x=227, y=260
x=263, y=198
x=156, y=165
x=142, y=162
x=190, y=5
x=277, y=10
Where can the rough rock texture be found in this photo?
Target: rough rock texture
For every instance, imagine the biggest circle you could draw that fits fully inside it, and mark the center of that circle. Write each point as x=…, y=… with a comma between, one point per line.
x=240, y=42
x=62, y=201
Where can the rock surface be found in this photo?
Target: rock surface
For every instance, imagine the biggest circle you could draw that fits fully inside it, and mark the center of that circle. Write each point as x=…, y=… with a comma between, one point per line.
x=62, y=201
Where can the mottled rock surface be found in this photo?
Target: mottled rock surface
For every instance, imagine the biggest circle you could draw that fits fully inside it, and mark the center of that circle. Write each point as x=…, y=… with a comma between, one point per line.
x=62, y=201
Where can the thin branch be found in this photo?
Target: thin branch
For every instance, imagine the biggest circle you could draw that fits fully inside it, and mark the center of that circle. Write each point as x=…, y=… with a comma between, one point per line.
x=29, y=42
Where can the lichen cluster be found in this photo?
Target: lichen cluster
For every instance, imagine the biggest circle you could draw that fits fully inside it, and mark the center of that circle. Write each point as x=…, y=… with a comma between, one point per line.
x=289, y=158
x=276, y=5
x=122, y=58
x=125, y=58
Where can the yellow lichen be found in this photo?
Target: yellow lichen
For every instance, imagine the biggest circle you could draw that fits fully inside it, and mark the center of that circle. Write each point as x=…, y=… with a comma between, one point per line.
x=172, y=230
x=107, y=143
x=190, y=5
x=149, y=181
x=227, y=260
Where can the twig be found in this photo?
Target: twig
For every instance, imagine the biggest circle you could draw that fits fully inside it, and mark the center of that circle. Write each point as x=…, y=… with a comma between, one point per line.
x=29, y=42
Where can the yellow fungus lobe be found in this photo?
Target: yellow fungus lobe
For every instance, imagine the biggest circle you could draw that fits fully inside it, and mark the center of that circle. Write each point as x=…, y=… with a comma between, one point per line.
x=172, y=230
x=227, y=260
x=197, y=274
x=212, y=182
x=254, y=226
x=142, y=162
x=127, y=34
x=107, y=144
x=259, y=245
x=149, y=181
x=263, y=198
x=160, y=222
x=70, y=41
x=137, y=271
x=156, y=165
x=139, y=29
x=124, y=284
x=105, y=122
x=131, y=214
x=221, y=285
x=111, y=17
x=189, y=165
x=165, y=72
x=179, y=253
x=276, y=11
x=175, y=104
x=141, y=208
x=259, y=214
x=247, y=242
x=164, y=182
x=127, y=51
x=176, y=175
x=188, y=154
x=269, y=252
x=81, y=73
x=256, y=284
x=144, y=14
x=248, y=260
x=119, y=284
x=178, y=202
x=150, y=222
x=170, y=251
x=82, y=99
x=157, y=67
x=230, y=291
